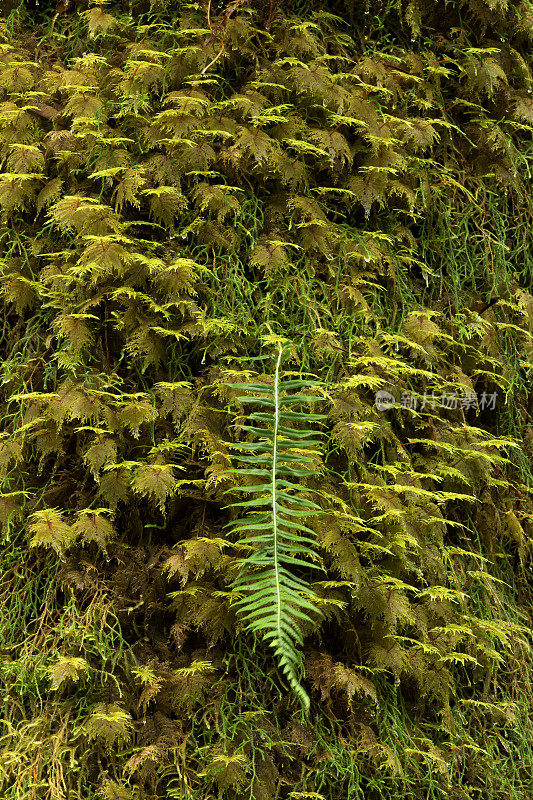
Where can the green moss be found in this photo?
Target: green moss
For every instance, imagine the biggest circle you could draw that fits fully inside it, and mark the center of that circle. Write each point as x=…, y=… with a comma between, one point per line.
x=181, y=185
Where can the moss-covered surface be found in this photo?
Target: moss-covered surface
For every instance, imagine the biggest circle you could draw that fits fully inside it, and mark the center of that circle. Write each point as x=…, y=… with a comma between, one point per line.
x=182, y=187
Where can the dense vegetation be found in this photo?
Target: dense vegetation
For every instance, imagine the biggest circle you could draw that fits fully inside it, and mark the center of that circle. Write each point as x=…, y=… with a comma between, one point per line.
x=225, y=228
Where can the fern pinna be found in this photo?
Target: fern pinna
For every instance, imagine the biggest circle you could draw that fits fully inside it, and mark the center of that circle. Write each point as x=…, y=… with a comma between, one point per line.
x=281, y=451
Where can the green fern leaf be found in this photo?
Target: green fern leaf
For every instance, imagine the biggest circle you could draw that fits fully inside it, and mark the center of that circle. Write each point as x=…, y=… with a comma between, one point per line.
x=275, y=600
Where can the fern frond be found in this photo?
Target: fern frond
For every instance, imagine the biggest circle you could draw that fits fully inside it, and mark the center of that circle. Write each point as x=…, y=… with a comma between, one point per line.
x=275, y=600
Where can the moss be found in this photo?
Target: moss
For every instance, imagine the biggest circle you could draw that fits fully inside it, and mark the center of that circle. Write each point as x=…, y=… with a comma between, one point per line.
x=181, y=185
